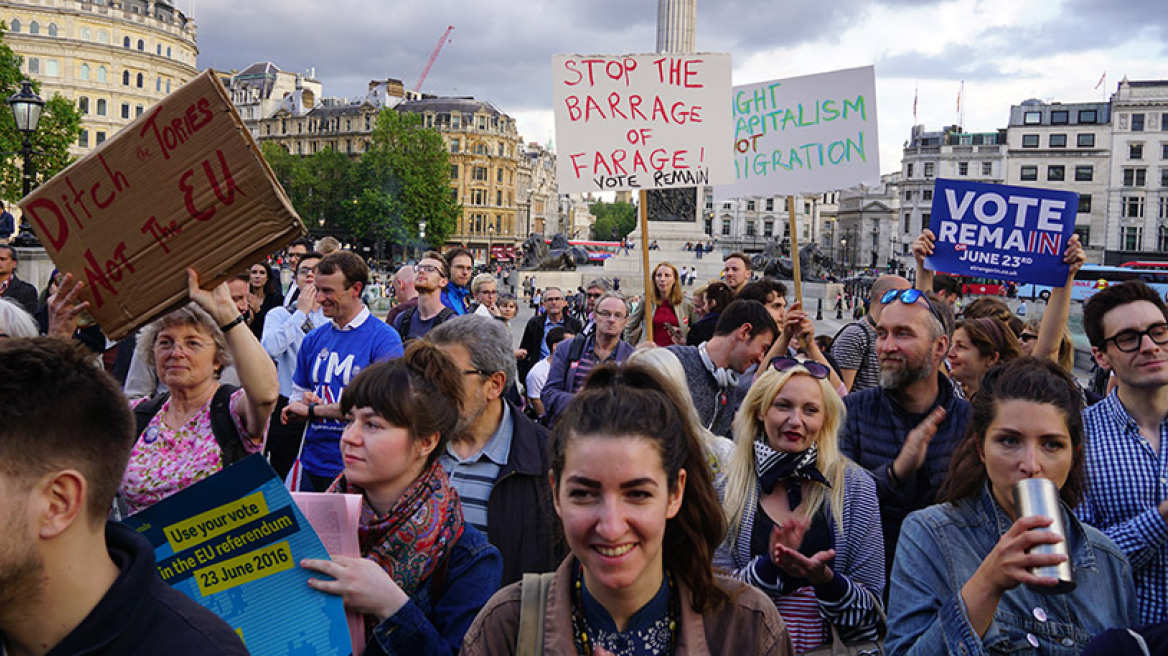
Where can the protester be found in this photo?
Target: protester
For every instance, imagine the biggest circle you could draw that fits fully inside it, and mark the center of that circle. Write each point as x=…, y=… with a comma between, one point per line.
x=329, y=357
x=431, y=278
x=70, y=581
x=12, y=287
x=584, y=353
x=1126, y=497
x=424, y=572
x=977, y=345
x=854, y=347
x=328, y=245
x=460, y=269
x=15, y=321
x=641, y=518
x=534, y=342
x=263, y=294
x=404, y=294
x=537, y=377
x=988, y=306
x=815, y=547
x=485, y=289
x=286, y=327
x=771, y=293
x=181, y=439
x=296, y=250
x=497, y=458
x=946, y=287
x=670, y=312
x=736, y=271
x=962, y=582
x=596, y=288
x=717, y=297
x=904, y=431
x=744, y=333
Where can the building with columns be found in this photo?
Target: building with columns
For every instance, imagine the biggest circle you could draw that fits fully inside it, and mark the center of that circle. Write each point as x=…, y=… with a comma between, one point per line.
x=113, y=58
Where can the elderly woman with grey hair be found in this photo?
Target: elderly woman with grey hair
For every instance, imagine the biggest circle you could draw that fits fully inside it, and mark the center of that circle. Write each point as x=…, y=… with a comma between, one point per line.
x=199, y=426
x=15, y=321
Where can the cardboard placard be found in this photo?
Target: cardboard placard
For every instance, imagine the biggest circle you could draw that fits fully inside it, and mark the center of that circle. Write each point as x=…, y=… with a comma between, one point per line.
x=1001, y=231
x=805, y=135
x=652, y=121
x=184, y=185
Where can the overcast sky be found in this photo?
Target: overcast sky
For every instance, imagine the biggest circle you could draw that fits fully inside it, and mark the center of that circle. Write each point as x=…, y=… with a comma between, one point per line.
x=500, y=50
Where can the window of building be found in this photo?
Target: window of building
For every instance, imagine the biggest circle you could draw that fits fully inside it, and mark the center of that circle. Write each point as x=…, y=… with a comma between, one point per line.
x=906, y=223
x=126, y=42
x=102, y=74
x=479, y=174
x=138, y=109
x=1029, y=173
x=1030, y=141
x=86, y=34
x=750, y=229
x=1056, y=173
x=768, y=228
x=908, y=174
x=1059, y=117
x=498, y=198
x=770, y=202
x=102, y=36
x=478, y=196
x=963, y=168
x=1132, y=207
x=501, y=150
x=1135, y=177
x=1164, y=207
x=168, y=86
x=1084, y=203
x=83, y=105
x=15, y=26
x=453, y=171
x=53, y=31
x=499, y=175
x=1058, y=141
x=1131, y=237
x=1137, y=122
x=141, y=80
x=1031, y=118
x=158, y=49
x=725, y=226
x=126, y=78
x=1088, y=116
x=100, y=139
x=158, y=84
x=925, y=219
x=34, y=65
x=1164, y=149
x=168, y=51
x=52, y=68
x=927, y=194
x=34, y=28
x=125, y=110
x=1086, y=140
x=1135, y=150
x=141, y=45
x=102, y=107
x=1164, y=177
x=455, y=144
x=987, y=168
x=929, y=169
x=83, y=139
x=908, y=194
x=1084, y=173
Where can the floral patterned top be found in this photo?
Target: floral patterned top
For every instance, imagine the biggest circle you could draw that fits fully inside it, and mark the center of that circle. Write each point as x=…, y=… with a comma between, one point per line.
x=166, y=460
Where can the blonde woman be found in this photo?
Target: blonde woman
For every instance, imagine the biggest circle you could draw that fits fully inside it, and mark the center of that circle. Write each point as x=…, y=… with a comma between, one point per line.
x=667, y=307
x=816, y=547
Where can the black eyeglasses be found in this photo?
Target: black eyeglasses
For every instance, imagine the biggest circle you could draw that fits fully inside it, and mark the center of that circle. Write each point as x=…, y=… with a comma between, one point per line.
x=1027, y=337
x=477, y=372
x=1130, y=340
x=910, y=296
x=784, y=363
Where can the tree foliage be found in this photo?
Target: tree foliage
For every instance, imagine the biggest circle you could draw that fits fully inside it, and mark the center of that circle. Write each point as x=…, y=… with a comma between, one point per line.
x=59, y=128
x=614, y=221
x=402, y=179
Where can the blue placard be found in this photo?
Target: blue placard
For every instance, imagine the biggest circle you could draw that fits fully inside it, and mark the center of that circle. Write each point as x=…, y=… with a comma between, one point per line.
x=1001, y=231
x=232, y=543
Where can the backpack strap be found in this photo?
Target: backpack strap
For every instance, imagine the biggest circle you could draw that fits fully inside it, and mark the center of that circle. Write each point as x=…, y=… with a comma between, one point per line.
x=222, y=422
x=532, y=611
x=575, y=350
x=145, y=411
x=406, y=316
x=444, y=314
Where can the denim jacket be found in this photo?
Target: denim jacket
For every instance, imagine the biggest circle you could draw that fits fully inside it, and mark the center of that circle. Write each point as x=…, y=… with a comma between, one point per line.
x=940, y=549
x=427, y=626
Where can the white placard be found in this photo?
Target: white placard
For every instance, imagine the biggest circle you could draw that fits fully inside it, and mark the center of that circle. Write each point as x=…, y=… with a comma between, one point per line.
x=642, y=121
x=805, y=135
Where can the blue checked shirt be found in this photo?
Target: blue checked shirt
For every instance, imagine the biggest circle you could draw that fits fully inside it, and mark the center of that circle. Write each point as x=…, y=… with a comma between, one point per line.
x=1126, y=482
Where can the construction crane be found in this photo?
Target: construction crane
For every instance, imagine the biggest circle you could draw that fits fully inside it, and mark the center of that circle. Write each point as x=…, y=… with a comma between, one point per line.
x=433, y=56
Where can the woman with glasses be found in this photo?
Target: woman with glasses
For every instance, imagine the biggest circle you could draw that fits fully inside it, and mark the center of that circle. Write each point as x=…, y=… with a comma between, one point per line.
x=670, y=311
x=963, y=580
x=804, y=520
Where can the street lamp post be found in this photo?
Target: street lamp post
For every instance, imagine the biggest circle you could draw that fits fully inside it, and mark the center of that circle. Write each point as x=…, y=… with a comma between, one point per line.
x=26, y=109
x=490, y=241
x=422, y=236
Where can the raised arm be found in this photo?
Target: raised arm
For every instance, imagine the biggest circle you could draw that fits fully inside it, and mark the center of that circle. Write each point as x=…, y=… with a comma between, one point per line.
x=1058, y=308
x=922, y=247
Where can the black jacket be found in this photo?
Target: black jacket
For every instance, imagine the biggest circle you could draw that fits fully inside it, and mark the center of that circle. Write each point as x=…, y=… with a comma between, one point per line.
x=142, y=615
x=521, y=520
x=23, y=293
x=533, y=336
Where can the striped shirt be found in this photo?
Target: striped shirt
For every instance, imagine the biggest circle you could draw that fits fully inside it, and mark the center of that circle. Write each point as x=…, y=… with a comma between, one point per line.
x=474, y=477
x=1126, y=483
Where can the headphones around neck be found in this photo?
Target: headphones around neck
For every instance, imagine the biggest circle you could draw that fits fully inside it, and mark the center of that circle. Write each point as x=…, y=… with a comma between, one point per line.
x=726, y=378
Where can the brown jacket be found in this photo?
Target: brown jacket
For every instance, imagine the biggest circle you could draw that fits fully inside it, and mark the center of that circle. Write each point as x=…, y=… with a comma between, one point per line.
x=750, y=625
x=635, y=329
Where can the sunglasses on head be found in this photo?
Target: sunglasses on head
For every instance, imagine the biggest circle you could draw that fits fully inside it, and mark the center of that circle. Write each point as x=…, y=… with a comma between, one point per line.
x=910, y=296
x=815, y=369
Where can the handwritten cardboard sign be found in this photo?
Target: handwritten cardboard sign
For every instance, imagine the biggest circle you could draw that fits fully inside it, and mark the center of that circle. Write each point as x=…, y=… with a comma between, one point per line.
x=806, y=134
x=1001, y=231
x=184, y=185
x=653, y=121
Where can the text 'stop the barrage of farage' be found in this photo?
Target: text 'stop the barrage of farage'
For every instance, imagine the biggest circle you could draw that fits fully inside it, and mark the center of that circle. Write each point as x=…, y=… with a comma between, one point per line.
x=182, y=186
x=806, y=134
x=1001, y=231
x=651, y=121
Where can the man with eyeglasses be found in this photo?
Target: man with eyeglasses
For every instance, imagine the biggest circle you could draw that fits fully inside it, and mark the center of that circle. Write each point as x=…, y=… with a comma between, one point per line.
x=571, y=365
x=904, y=431
x=534, y=340
x=592, y=293
x=286, y=327
x=1127, y=468
x=430, y=279
x=460, y=269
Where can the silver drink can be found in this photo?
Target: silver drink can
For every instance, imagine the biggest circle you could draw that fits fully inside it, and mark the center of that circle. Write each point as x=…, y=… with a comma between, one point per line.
x=1039, y=496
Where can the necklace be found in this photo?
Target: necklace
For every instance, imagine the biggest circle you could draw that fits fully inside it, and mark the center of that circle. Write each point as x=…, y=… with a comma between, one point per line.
x=580, y=624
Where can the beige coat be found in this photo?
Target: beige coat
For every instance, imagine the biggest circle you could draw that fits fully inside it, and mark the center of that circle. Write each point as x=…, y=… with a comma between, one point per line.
x=635, y=330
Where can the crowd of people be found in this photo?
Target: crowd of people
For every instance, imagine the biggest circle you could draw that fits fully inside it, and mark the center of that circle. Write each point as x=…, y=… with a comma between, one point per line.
x=683, y=473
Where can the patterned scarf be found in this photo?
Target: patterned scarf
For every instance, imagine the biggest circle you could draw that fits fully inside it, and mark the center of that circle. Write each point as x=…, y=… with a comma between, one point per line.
x=791, y=468
x=410, y=540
